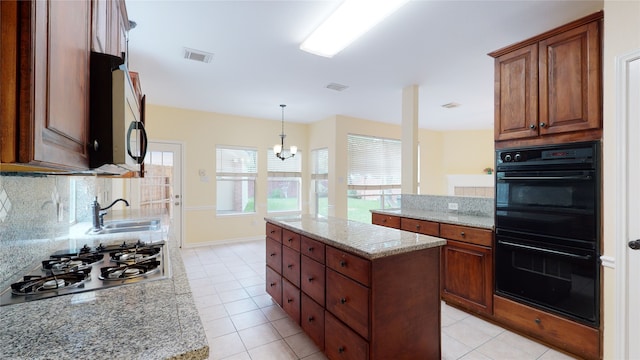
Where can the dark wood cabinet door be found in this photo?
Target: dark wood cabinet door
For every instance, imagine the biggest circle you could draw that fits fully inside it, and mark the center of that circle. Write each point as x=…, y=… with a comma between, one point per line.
x=312, y=320
x=291, y=239
x=467, y=276
x=274, y=232
x=274, y=255
x=55, y=97
x=386, y=220
x=291, y=265
x=348, y=301
x=291, y=300
x=312, y=279
x=516, y=94
x=341, y=342
x=313, y=249
x=274, y=285
x=569, y=80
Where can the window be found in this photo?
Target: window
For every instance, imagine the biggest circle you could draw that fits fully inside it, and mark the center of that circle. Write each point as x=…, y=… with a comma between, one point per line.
x=236, y=172
x=374, y=175
x=284, y=183
x=320, y=182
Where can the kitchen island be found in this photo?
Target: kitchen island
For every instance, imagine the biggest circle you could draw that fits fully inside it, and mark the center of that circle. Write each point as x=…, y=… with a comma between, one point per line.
x=148, y=320
x=360, y=291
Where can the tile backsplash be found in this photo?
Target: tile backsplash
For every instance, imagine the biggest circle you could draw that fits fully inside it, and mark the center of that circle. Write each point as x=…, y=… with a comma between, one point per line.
x=36, y=212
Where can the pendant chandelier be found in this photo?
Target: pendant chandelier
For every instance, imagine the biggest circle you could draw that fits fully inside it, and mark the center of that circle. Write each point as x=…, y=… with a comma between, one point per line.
x=278, y=149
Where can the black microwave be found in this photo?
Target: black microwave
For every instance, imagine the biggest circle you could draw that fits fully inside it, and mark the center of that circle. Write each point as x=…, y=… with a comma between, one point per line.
x=116, y=124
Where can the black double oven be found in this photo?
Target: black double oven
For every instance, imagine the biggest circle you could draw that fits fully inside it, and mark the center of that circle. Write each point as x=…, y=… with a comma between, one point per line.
x=548, y=228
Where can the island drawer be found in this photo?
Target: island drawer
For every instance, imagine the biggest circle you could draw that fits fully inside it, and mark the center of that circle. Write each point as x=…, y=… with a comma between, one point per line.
x=420, y=226
x=312, y=279
x=312, y=320
x=350, y=265
x=313, y=249
x=274, y=285
x=348, y=301
x=274, y=232
x=385, y=220
x=274, y=255
x=291, y=300
x=291, y=265
x=342, y=343
x=467, y=234
x=291, y=239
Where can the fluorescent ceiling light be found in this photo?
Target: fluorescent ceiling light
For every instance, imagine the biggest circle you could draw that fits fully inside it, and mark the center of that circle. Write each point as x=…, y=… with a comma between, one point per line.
x=351, y=20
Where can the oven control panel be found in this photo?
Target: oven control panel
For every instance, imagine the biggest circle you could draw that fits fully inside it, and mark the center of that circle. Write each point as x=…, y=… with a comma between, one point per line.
x=576, y=153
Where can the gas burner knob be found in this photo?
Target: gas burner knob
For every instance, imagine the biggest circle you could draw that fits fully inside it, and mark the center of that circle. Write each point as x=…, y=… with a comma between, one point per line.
x=507, y=158
x=517, y=157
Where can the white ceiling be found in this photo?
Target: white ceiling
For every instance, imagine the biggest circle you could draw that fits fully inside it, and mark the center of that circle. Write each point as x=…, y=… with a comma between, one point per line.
x=439, y=45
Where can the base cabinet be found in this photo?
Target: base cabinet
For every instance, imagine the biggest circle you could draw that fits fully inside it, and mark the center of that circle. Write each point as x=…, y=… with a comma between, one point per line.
x=562, y=333
x=357, y=308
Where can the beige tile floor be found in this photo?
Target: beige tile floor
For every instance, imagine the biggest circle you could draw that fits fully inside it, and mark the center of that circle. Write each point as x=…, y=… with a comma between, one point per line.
x=241, y=321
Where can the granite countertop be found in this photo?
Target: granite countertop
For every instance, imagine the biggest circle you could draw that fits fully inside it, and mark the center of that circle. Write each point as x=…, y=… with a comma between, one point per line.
x=367, y=240
x=483, y=222
x=149, y=320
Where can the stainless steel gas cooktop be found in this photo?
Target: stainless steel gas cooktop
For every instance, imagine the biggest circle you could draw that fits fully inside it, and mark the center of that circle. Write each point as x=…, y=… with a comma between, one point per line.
x=89, y=269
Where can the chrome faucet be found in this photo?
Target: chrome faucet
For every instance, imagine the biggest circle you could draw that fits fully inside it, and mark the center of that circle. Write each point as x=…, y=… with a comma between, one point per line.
x=99, y=213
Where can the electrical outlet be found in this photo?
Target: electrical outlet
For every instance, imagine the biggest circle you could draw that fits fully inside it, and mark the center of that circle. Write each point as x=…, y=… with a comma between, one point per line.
x=453, y=206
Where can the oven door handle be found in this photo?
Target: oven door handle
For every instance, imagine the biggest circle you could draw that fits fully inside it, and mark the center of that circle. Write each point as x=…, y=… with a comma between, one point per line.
x=576, y=177
x=553, y=252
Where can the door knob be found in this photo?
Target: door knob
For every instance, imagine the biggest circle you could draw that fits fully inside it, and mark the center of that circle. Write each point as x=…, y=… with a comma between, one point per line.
x=635, y=244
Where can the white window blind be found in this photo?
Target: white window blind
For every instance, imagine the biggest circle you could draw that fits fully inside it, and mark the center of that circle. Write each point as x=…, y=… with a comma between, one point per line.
x=374, y=162
x=320, y=163
x=236, y=173
x=284, y=183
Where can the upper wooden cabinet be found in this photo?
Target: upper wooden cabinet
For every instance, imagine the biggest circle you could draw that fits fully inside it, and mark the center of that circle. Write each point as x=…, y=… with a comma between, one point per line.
x=548, y=88
x=47, y=109
x=109, y=26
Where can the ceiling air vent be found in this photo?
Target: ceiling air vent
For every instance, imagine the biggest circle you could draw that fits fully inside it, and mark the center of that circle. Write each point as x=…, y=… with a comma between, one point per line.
x=336, y=87
x=197, y=55
x=451, y=105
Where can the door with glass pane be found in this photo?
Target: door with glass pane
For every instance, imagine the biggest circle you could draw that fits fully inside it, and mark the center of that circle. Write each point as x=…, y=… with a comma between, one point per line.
x=161, y=186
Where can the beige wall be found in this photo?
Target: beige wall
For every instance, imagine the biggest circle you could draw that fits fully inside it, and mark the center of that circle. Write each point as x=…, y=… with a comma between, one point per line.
x=621, y=35
x=441, y=153
x=201, y=132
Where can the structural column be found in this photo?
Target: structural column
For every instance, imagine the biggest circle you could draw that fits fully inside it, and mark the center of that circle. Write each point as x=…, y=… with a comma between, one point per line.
x=410, y=139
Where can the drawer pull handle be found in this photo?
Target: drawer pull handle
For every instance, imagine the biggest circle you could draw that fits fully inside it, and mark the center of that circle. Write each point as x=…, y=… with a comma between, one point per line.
x=290, y=266
x=418, y=227
x=310, y=249
x=311, y=279
x=341, y=349
x=289, y=300
x=272, y=254
x=343, y=263
x=343, y=301
x=310, y=319
x=384, y=220
x=290, y=239
x=461, y=233
x=273, y=231
x=272, y=284
x=537, y=320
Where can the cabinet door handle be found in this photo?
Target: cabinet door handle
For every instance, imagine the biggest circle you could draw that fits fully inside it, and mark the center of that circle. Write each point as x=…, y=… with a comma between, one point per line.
x=537, y=320
x=343, y=301
x=542, y=125
x=289, y=300
x=272, y=231
x=310, y=319
x=310, y=249
x=462, y=233
x=290, y=266
x=272, y=254
x=311, y=279
x=418, y=227
x=343, y=263
x=272, y=284
x=341, y=349
x=290, y=239
x=532, y=126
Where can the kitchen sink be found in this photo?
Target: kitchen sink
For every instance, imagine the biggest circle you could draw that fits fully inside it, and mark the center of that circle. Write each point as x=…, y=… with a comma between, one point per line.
x=133, y=225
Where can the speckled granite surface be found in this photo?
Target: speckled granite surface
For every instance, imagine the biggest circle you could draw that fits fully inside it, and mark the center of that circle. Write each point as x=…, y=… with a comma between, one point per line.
x=366, y=240
x=472, y=211
x=151, y=320
x=484, y=222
